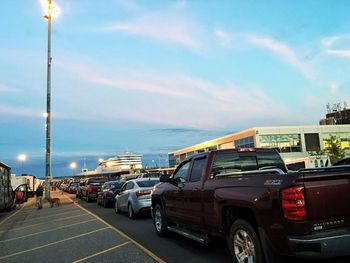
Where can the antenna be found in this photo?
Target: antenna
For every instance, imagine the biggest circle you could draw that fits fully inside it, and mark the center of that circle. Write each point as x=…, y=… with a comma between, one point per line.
x=328, y=107
x=84, y=167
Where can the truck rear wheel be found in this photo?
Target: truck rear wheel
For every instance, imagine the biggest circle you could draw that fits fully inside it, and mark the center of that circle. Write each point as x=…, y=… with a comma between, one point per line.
x=244, y=243
x=160, y=221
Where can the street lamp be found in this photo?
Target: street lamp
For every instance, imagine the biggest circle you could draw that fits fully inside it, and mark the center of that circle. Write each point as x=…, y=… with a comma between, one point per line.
x=51, y=11
x=22, y=158
x=73, y=166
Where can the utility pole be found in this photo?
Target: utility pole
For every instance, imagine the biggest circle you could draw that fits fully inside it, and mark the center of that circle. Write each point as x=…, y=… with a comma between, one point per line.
x=48, y=107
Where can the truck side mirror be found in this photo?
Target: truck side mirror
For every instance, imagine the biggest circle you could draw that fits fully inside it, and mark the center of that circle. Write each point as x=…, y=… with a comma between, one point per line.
x=164, y=178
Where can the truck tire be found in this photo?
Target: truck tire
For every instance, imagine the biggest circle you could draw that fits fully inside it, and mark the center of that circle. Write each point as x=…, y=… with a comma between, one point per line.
x=244, y=243
x=160, y=221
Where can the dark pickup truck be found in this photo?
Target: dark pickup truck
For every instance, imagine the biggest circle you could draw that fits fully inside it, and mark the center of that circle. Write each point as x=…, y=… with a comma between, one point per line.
x=265, y=212
x=90, y=188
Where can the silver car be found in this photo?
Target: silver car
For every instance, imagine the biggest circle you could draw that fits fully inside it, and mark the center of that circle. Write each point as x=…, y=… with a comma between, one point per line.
x=135, y=196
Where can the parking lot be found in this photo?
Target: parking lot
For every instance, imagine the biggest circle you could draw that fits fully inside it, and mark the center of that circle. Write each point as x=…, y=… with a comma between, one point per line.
x=67, y=233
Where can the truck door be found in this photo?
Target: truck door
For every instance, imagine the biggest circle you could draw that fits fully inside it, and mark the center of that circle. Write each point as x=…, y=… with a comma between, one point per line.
x=174, y=195
x=192, y=194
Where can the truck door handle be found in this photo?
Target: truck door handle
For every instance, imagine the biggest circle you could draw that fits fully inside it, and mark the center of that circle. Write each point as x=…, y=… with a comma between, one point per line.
x=196, y=189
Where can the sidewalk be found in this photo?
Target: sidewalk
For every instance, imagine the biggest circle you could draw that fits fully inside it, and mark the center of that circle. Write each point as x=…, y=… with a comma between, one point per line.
x=65, y=233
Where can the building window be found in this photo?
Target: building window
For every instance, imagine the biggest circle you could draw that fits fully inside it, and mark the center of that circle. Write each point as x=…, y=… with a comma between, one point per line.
x=312, y=142
x=172, y=160
x=182, y=157
x=212, y=148
x=281, y=142
x=247, y=142
x=189, y=154
x=343, y=136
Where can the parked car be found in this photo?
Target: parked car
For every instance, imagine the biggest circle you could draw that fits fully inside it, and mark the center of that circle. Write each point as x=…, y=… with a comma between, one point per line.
x=78, y=190
x=150, y=175
x=106, y=195
x=135, y=196
x=344, y=161
x=72, y=188
x=89, y=190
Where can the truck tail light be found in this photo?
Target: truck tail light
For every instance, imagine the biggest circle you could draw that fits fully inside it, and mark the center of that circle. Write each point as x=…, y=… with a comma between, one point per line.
x=293, y=203
x=144, y=192
x=246, y=150
x=110, y=192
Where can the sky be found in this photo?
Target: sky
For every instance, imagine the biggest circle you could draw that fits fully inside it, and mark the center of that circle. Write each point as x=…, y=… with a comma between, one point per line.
x=154, y=76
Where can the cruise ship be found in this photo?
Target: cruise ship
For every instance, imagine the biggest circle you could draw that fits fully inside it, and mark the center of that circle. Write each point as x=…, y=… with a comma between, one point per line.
x=127, y=162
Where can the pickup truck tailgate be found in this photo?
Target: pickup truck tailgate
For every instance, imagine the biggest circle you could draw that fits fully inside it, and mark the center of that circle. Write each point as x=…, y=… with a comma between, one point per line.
x=327, y=197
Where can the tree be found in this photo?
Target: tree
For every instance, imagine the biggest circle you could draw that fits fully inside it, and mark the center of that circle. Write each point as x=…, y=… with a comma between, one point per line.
x=333, y=148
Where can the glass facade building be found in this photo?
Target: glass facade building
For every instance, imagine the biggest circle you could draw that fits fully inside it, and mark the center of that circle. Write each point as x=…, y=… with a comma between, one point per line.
x=290, y=141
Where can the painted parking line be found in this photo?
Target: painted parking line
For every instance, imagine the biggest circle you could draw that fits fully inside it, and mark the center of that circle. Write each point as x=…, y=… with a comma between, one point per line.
x=15, y=213
x=145, y=250
x=50, y=230
x=42, y=217
x=102, y=252
x=53, y=243
x=42, y=223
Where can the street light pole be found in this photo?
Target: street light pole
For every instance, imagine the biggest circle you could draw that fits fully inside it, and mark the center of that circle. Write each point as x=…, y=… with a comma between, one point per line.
x=48, y=107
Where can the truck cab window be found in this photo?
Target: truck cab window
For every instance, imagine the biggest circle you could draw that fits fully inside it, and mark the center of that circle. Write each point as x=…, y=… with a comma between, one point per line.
x=225, y=163
x=197, y=169
x=182, y=173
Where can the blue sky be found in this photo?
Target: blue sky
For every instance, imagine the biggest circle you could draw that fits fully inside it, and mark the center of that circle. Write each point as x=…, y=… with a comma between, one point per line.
x=125, y=74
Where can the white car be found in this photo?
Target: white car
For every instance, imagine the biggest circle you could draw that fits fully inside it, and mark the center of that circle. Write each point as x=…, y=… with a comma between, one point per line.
x=135, y=196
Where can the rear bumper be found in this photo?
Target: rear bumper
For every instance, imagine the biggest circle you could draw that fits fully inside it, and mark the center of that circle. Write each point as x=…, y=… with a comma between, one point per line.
x=333, y=243
x=142, y=205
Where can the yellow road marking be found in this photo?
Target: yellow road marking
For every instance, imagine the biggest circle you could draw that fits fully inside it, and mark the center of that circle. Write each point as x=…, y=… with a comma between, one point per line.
x=52, y=229
x=59, y=219
x=101, y=252
x=148, y=252
x=53, y=243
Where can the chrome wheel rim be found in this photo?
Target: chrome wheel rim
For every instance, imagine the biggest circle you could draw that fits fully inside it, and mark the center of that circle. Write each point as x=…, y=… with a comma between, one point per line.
x=244, y=247
x=158, y=220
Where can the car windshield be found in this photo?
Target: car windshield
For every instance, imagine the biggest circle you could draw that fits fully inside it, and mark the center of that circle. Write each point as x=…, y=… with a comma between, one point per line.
x=95, y=182
x=147, y=183
x=117, y=184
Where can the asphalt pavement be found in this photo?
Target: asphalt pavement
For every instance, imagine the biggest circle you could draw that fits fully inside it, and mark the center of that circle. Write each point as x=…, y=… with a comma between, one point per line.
x=65, y=233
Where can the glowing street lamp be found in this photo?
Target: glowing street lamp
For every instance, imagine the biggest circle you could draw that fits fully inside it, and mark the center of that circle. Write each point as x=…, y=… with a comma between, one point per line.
x=73, y=166
x=51, y=11
x=22, y=158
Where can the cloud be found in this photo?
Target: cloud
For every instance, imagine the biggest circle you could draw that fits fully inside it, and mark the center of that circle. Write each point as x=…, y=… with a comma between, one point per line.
x=337, y=46
x=283, y=51
x=333, y=88
x=4, y=88
x=223, y=37
x=277, y=48
x=162, y=27
x=201, y=103
x=332, y=40
x=338, y=53
x=6, y=110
